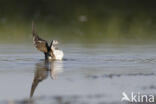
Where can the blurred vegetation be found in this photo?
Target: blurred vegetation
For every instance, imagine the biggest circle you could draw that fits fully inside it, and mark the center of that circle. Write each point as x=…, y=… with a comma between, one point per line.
x=79, y=20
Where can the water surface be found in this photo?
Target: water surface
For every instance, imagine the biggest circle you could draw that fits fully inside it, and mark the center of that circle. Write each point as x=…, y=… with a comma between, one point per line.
x=100, y=72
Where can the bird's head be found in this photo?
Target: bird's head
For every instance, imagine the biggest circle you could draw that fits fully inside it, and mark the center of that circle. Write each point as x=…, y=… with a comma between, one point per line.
x=55, y=42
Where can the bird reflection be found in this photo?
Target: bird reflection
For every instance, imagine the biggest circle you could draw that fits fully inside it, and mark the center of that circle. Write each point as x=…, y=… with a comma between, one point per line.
x=56, y=67
x=42, y=70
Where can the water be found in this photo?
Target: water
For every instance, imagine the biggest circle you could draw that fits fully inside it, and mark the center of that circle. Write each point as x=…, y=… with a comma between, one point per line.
x=91, y=73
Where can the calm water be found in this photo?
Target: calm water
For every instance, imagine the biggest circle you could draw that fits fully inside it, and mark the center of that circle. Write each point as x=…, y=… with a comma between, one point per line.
x=94, y=73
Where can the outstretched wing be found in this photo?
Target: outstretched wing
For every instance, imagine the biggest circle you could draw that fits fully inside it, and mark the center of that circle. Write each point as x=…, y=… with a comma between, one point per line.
x=40, y=44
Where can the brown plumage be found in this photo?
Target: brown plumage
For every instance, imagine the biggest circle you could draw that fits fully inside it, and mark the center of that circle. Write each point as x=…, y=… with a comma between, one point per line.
x=41, y=44
x=50, y=52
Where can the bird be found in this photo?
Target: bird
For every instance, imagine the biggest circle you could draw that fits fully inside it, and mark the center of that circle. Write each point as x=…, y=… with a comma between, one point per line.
x=51, y=52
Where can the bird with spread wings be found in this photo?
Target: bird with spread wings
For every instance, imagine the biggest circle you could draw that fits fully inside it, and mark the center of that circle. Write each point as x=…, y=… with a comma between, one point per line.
x=42, y=45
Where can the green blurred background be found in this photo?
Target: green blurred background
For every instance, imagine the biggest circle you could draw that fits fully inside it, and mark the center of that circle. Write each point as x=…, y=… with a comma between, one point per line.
x=79, y=21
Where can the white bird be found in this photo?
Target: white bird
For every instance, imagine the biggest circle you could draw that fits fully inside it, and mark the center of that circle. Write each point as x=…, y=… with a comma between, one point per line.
x=56, y=53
